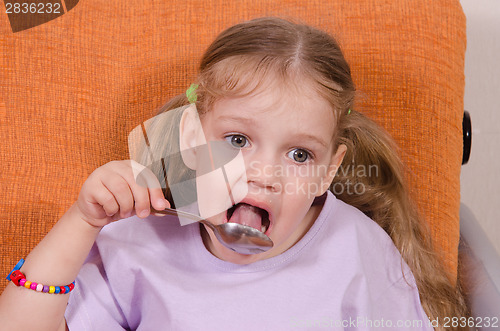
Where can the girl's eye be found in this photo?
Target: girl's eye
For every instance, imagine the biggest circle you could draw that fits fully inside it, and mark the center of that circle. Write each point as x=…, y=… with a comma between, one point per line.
x=237, y=140
x=299, y=155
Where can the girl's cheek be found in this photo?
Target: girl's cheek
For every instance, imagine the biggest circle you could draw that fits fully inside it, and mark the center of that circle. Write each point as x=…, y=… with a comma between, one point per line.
x=303, y=186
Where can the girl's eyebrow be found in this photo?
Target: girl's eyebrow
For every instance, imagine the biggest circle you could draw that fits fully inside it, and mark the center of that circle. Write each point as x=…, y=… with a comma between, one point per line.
x=230, y=118
x=307, y=136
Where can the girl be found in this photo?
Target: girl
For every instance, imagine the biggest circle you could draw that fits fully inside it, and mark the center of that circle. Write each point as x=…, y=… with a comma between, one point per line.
x=280, y=94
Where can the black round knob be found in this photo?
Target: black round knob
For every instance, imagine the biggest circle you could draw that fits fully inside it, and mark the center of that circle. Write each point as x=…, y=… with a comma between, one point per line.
x=467, y=131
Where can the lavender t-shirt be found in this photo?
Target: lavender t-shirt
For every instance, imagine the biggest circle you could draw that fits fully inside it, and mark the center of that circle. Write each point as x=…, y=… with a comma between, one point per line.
x=154, y=274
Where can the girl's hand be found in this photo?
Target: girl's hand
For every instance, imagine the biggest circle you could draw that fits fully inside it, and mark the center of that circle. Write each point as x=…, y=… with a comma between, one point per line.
x=111, y=193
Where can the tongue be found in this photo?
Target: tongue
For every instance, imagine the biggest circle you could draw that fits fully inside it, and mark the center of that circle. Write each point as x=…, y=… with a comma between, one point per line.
x=247, y=215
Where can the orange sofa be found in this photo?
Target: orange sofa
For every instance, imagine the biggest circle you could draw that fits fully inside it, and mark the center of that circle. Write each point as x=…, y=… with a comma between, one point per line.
x=72, y=89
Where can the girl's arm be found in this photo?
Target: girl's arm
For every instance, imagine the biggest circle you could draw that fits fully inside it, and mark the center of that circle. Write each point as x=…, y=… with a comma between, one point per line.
x=56, y=260
x=110, y=193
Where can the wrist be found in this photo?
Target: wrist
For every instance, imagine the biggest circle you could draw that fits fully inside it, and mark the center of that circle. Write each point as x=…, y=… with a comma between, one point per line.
x=74, y=212
x=48, y=263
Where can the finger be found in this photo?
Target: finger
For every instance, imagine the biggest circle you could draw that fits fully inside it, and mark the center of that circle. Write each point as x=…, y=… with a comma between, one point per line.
x=122, y=193
x=157, y=199
x=141, y=198
x=107, y=201
x=139, y=192
x=145, y=187
x=144, y=177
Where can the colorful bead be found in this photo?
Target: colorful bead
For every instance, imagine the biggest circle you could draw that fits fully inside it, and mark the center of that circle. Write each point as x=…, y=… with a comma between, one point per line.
x=16, y=276
x=22, y=282
x=39, y=287
x=45, y=288
x=52, y=289
x=67, y=289
x=16, y=267
x=71, y=286
x=58, y=290
x=27, y=284
x=33, y=286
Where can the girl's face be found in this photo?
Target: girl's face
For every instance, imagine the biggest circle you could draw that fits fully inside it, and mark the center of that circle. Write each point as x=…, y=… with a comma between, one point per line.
x=288, y=156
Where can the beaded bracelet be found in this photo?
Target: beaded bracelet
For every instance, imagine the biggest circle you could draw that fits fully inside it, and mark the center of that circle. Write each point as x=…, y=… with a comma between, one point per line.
x=19, y=279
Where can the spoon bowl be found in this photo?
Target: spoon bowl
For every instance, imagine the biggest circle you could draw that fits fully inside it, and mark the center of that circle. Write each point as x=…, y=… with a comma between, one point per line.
x=237, y=237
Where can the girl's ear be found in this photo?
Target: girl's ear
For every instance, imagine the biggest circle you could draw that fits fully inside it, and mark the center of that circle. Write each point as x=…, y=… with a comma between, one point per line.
x=335, y=163
x=190, y=136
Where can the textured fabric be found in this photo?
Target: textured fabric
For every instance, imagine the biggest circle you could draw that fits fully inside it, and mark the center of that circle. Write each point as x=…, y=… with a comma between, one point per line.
x=72, y=89
x=155, y=274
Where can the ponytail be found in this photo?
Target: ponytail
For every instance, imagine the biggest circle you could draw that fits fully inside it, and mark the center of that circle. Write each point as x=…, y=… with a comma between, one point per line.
x=372, y=164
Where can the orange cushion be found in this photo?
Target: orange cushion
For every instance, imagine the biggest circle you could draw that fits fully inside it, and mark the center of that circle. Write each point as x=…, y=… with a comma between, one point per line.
x=73, y=88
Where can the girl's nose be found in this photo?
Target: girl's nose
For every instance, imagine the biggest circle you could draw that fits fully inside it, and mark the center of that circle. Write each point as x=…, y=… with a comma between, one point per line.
x=262, y=174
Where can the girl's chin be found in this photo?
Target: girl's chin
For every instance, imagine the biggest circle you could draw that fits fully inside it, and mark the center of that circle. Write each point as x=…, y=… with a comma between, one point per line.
x=236, y=258
x=220, y=251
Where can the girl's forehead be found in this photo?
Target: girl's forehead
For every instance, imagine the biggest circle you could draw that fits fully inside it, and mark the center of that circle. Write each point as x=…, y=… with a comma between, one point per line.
x=307, y=107
x=276, y=94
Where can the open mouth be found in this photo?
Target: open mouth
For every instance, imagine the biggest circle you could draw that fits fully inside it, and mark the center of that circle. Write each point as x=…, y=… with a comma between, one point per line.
x=245, y=214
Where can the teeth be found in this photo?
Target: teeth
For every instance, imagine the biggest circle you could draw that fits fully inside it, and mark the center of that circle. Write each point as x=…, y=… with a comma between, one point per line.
x=263, y=229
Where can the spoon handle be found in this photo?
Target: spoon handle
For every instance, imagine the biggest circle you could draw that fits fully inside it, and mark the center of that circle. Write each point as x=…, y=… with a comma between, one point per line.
x=175, y=212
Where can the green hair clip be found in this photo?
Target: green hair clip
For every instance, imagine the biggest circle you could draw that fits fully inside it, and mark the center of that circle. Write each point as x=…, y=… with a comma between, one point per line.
x=191, y=93
x=349, y=112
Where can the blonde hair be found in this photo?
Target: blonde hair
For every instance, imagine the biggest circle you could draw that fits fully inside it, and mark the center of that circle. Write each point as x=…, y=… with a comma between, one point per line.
x=257, y=54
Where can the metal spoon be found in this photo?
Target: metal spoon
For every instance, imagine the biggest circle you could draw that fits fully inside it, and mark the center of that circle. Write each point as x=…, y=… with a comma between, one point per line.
x=239, y=238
